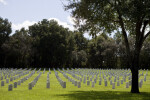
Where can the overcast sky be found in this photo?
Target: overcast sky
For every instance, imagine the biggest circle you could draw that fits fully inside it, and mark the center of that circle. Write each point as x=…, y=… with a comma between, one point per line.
x=23, y=13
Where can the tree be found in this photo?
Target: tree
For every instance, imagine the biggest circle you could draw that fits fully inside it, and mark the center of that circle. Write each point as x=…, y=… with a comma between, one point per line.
x=80, y=41
x=18, y=49
x=102, y=52
x=121, y=52
x=49, y=43
x=5, y=30
x=145, y=55
x=127, y=16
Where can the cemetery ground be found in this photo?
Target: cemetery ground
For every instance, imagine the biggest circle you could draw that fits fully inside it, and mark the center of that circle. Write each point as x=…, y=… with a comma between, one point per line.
x=76, y=87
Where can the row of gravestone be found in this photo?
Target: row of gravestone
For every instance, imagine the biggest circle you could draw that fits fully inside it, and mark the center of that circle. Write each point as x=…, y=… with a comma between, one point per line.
x=14, y=77
x=112, y=83
x=48, y=81
x=123, y=77
x=62, y=83
x=43, y=71
x=96, y=73
x=76, y=83
x=33, y=83
x=10, y=75
x=88, y=82
x=84, y=80
x=19, y=82
x=11, y=71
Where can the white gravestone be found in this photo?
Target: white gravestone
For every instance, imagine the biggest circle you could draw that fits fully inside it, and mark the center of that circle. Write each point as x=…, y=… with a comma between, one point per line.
x=10, y=87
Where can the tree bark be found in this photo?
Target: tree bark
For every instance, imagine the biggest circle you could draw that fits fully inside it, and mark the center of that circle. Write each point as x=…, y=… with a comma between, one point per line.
x=135, y=69
x=135, y=85
x=135, y=72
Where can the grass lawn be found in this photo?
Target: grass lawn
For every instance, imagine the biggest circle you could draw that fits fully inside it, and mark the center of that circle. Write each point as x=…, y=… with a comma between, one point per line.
x=71, y=92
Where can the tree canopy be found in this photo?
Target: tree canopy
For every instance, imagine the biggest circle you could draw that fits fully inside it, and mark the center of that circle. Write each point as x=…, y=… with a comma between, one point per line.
x=130, y=17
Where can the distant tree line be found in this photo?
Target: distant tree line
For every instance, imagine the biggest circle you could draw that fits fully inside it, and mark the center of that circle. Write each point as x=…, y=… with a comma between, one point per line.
x=47, y=44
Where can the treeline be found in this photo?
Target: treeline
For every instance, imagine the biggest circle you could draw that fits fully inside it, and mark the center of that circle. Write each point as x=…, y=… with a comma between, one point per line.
x=48, y=44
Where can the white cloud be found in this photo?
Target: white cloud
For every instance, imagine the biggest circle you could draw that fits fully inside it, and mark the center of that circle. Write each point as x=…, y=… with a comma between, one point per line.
x=71, y=20
x=3, y=2
x=64, y=24
x=25, y=24
x=69, y=24
x=28, y=23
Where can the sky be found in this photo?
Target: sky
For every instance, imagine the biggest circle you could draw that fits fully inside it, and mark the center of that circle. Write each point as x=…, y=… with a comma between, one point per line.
x=24, y=13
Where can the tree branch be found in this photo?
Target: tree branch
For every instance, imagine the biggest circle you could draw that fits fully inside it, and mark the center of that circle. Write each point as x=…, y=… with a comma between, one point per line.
x=146, y=36
x=144, y=27
x=124, y=32
x=125, y=37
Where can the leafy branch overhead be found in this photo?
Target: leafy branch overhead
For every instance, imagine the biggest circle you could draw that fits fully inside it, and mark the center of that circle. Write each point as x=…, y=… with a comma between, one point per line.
x=111, y=15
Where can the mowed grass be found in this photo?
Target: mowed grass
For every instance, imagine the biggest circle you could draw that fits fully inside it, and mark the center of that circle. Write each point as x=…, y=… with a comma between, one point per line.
x=71, y=92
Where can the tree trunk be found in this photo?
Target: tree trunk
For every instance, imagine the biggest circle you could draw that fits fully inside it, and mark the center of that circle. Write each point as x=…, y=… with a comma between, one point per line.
x=135, y=71
x=135, y=86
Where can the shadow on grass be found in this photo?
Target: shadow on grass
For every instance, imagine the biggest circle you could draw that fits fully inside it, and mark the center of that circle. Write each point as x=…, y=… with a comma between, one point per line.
x=109, y=95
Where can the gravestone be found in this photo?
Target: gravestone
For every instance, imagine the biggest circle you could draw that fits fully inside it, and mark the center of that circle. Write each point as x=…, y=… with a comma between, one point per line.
x=91, y=79
x=30, y=86
x=110, y=82
x=10, y=87
x=118, y=78
x=141, y=81
x=145, y=78
x=19, y=82
x=48, y=84
x=1, y=77
x=80, y=79
x=129, y=77
x=100, y=82
x=64, y=84
x=2, y=83
x=115, y=79
x=95, y=80
x=79, y=84
x=113, y=85
x=127, y=84
x=93, y=84
x=88, y=82
x=140, y=84
x=130, y=83
x=75, y=84
x=84, y=80
x=7, y=80
x=109, y=78
x=105, y=82
x=124, y=79
x=15, y=84
x=118, y=83
x=87, y=77
x=11, y=79
x=121, y=81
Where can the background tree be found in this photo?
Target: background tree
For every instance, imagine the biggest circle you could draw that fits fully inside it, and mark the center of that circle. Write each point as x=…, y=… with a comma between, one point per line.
x=17, y=49
x=127, y=16
x=79, y=54
x=145, y=55
x=102, y=52
x=5, y=30
x=49, y=43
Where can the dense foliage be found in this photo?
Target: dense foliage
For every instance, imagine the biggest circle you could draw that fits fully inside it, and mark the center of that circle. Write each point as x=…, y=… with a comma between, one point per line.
x=47, y=44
